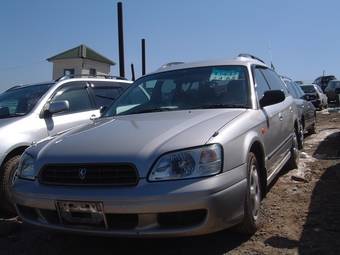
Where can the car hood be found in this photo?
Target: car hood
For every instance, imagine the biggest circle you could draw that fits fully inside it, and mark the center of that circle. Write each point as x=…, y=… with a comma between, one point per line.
x=137, y=139
x=8, y=120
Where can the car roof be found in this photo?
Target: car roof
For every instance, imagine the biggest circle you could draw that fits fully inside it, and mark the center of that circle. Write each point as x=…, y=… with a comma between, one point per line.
x=106, y=78
x=242, y=59
x=325, y=76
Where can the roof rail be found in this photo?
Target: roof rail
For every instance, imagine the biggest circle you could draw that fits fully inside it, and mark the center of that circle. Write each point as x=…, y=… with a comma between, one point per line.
x=171, y=64
x=90, y=76
x=246, y=55
x=15, y=87
x=285, y=77
x=115, y=77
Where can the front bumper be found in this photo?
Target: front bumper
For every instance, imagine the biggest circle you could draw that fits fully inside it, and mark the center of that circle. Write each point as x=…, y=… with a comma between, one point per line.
x=162, y=209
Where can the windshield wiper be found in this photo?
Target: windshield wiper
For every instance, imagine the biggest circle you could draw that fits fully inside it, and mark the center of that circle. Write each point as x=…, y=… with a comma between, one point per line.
x=152, y=110
x=223, y=106
x=111, y=98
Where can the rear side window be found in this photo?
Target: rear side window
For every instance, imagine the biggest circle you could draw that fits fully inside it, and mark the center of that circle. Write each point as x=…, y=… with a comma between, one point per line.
x=274, y=81
x=292, y=89
x=299, y=89
x=104, y=96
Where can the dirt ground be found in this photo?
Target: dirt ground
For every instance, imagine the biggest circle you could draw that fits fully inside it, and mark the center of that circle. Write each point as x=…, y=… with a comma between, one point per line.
x=300, y=215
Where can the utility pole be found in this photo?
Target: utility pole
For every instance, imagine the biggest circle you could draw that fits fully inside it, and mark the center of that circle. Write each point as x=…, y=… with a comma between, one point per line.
x=121, y=39
x=143, y=57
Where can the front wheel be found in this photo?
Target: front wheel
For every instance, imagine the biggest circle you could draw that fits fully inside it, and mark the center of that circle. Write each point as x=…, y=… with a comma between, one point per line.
x=7, y=173
x=252, y=206
x=301, y=137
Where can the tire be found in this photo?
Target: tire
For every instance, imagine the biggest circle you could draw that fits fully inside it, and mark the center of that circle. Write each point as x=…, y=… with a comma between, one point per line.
x=313, y=130
x=252, y=206
x=293, y=161
x=7, y=173
x=301, y=137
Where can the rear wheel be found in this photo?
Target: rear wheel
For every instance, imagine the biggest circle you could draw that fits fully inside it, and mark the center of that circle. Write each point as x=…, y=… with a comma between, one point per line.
x=252, y=206
x=293, y=161
x=313, y=129
x=7, y=173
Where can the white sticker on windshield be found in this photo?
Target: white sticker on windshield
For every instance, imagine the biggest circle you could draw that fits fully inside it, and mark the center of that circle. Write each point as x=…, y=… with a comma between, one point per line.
x=219, y=74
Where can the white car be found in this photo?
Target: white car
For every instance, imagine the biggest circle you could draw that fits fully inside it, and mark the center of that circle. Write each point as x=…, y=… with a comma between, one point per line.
x=315, y=95
x=29, y=113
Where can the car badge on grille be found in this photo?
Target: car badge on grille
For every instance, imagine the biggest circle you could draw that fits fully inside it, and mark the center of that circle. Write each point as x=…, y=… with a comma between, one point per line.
x=82, y=173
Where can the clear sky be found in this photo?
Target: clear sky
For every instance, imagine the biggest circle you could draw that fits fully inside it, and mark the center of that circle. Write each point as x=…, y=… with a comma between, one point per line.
x=303, y=35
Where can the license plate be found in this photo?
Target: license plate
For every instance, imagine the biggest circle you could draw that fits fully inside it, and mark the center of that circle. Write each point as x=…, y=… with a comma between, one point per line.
x=81, y=214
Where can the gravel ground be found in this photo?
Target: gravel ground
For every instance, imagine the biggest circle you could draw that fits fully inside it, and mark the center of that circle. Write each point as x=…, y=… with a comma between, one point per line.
x=300, y=215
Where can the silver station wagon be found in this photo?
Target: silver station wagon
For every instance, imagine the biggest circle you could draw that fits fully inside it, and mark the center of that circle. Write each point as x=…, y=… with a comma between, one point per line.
x=189, y=149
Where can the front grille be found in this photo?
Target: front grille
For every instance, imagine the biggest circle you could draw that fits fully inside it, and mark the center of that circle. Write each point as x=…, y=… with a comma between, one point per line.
x=89, y=174
x=185, y=218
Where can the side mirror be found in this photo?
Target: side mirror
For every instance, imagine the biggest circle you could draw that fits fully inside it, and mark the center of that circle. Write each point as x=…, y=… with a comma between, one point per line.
x=271, y=97
x=337, y=91
x=59, y=106
x=103, y=109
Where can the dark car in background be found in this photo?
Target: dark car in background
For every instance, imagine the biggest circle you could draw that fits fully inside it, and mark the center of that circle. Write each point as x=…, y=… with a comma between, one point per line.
x=322, y=81
x=306, y=109
x=316, y=95
x=330, y=90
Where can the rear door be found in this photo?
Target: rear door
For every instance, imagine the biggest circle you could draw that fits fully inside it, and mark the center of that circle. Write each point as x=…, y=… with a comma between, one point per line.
x=308, y=107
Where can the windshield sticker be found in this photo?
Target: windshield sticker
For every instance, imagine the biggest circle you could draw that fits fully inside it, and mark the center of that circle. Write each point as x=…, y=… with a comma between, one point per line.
x=219, y=74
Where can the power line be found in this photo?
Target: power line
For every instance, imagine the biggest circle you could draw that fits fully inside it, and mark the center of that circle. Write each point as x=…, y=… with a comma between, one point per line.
x=16, y=67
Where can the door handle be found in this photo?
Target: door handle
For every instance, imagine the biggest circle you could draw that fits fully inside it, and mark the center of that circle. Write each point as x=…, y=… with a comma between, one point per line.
x=93, y=116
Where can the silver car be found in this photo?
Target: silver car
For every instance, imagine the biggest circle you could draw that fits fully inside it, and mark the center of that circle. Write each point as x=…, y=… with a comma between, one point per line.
x=307, y=111
x=30, y=113
x=189, y=149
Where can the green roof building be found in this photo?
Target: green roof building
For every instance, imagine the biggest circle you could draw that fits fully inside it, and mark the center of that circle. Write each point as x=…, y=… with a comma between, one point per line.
x=80, y=60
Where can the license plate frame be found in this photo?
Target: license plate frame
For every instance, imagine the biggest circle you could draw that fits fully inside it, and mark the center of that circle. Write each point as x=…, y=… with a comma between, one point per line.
x=81, y=214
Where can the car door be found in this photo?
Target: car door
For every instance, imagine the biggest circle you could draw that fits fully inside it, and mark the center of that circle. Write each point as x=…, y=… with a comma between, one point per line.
x=81, y=110
x=280, y=121
x=308, y=107
x=104, y=93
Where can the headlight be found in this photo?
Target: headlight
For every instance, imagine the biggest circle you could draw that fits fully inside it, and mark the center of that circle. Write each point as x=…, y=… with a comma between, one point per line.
x=26, y=167
x=192, y=163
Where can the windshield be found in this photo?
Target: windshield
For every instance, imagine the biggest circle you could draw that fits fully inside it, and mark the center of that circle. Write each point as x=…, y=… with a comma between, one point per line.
x=17, y=102
x=308, y=89
x=205, y=87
